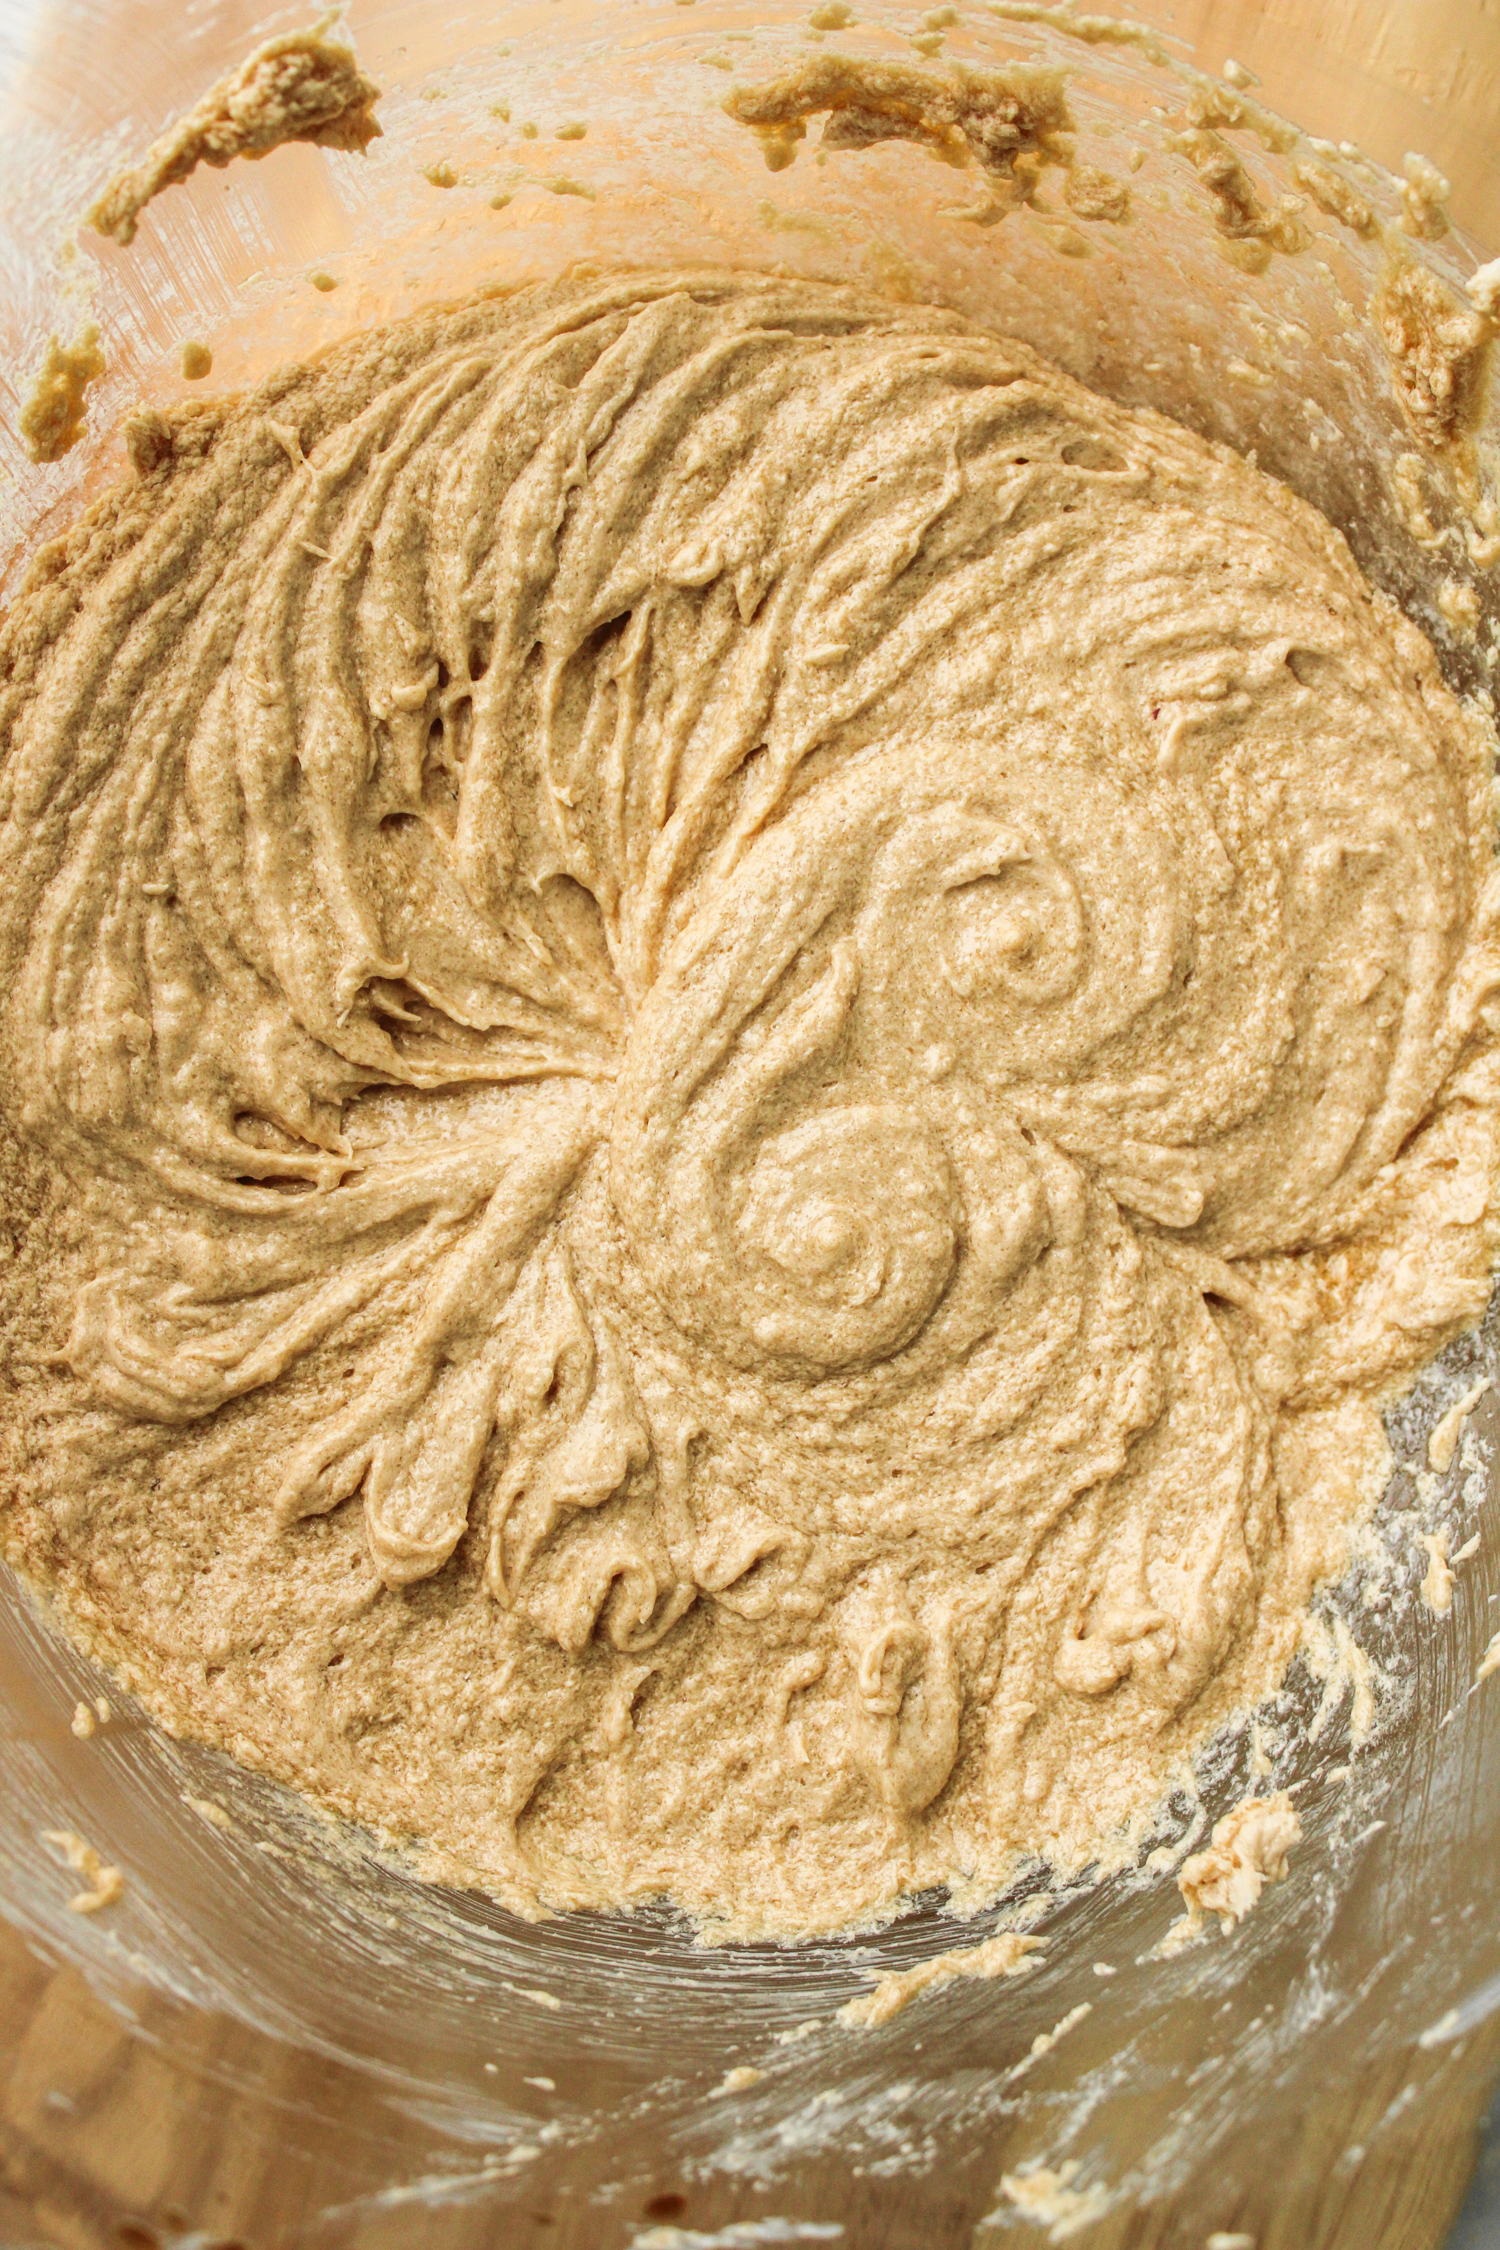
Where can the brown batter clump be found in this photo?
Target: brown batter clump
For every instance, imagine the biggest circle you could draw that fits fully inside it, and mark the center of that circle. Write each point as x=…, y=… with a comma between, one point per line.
x=745, y=1040
x=301, y=86
x=1009, y=123
x=54, y=414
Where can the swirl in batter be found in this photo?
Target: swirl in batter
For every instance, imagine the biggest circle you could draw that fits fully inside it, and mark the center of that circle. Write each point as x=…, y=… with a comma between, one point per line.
x=747, y=1039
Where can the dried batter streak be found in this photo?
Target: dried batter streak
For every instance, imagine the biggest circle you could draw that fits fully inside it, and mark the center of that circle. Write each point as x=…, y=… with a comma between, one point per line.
x=105, y=1885
x=1008, y=1955
x=744, y=1040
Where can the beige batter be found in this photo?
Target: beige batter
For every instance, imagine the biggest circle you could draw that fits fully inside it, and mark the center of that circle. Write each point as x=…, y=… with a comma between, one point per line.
x=742, y=1040
x=54, y=413
x=1249, y=1849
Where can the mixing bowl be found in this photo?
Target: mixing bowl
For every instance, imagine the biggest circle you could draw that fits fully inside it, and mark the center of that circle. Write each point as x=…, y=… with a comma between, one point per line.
x=277, y=2035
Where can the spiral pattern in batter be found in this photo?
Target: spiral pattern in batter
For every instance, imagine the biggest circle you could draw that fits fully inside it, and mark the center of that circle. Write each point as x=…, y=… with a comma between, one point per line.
x=815, y=1004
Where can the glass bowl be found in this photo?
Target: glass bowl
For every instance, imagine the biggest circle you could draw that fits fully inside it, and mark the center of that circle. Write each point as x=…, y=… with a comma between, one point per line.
x=277, y=2036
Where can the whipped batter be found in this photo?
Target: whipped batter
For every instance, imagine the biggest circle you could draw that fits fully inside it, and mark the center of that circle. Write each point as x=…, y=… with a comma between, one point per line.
x=742, y=1041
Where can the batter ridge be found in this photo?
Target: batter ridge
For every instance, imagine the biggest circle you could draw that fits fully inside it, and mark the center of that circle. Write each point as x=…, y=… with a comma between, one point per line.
x=744, y=1041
